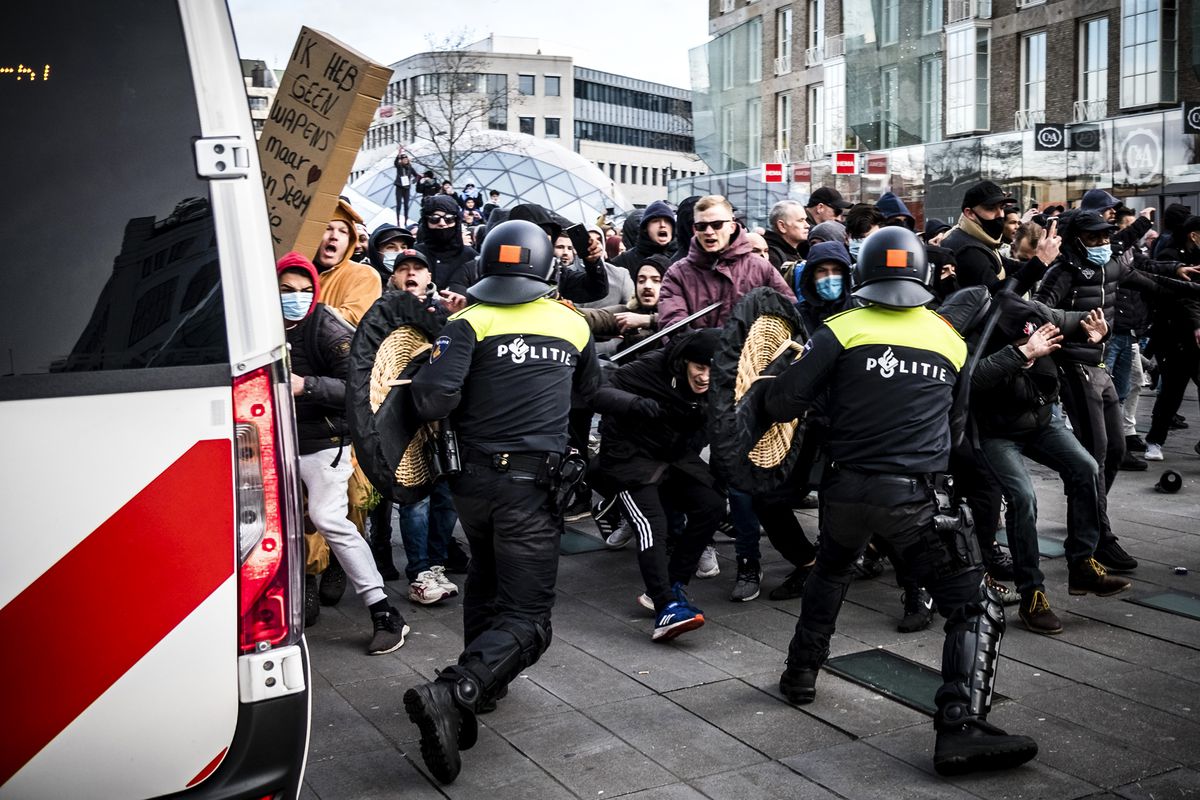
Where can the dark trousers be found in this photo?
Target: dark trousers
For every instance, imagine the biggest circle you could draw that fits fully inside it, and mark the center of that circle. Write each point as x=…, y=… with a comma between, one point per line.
x=644, y=507
x=1180, y=363
x=1091, y=403
x=899, y=509
x=402, y=196
x=514, y=540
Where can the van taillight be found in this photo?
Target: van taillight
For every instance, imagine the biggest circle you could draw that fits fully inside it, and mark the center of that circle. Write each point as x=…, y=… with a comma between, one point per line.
x=263, y=583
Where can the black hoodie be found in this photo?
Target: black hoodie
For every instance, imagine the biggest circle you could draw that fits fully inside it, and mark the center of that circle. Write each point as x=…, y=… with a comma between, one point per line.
x=644, y=246
x=450, y=258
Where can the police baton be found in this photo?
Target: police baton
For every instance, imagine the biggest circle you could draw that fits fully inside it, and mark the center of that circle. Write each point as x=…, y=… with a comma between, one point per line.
x=664, y=332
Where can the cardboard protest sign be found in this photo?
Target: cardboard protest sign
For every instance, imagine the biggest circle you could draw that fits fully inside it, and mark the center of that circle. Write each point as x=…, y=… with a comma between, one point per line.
x=326, y=100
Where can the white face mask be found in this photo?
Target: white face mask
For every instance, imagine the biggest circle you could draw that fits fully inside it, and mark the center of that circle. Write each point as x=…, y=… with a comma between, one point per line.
x=295, y=305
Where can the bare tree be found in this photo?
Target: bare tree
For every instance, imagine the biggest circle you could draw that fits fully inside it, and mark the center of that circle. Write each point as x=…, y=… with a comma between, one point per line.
x=455, y=101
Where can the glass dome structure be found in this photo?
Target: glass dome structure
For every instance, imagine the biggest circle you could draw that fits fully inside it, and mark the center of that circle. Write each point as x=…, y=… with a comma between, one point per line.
x=522, y=168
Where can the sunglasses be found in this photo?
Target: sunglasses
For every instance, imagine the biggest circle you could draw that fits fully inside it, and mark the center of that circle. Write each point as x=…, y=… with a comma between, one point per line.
x=438, y=219
x=716, y=225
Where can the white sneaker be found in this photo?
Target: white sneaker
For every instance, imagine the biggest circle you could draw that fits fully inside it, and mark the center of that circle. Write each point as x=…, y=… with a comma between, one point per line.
x=708, y=566
x=439, y=573
x=620, y=537
x=425, y=589
x=1153, y=452
x=645, y=602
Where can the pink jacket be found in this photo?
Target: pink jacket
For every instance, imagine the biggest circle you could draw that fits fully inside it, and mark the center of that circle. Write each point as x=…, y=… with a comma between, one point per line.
x=696, y=281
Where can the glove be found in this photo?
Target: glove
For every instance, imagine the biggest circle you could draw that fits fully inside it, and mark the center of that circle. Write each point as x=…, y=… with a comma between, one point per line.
x=648, y=408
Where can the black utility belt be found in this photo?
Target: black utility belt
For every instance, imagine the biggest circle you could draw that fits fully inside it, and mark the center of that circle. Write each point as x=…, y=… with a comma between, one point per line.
x=533, y=463
x=917, y=476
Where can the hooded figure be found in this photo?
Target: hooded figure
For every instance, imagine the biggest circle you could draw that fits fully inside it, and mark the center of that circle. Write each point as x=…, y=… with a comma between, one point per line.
x=629, y=229
x=894, y=210
x=1098, y=200
x=443, y=246
x=685, y=215
x=831, y=231
x=384, y=262
x=349, y=287
x=824, y=284
x=647, y=245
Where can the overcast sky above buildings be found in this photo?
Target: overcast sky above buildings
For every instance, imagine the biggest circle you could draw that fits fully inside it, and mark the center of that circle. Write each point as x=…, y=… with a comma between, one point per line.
x=648, y=40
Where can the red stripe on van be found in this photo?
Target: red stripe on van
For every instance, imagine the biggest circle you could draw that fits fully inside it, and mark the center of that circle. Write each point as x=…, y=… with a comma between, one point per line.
x=93, y=615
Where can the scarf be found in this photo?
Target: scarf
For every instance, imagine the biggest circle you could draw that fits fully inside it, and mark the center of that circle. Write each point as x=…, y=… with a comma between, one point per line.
x=972, y=229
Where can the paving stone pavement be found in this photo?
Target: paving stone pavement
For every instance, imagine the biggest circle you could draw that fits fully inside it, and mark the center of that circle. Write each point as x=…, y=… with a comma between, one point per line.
x=1114, y=701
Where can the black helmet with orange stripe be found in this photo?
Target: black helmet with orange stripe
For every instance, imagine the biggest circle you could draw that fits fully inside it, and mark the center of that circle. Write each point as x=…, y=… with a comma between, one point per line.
x=516, y=264
x=892, y=270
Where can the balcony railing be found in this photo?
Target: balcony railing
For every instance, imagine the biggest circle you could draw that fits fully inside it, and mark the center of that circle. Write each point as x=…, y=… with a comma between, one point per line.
x=813, y=152
x=1026, y=118
x=1089, y=110
x=727, y=6
x=960, y=10
x=783, y=156
x=814, y=56
x=783, y=64
x=835, y=46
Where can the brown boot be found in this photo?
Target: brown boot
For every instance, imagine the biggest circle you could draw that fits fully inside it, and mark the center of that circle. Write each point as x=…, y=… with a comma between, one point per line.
x=1088, y=577
x=1036, y=614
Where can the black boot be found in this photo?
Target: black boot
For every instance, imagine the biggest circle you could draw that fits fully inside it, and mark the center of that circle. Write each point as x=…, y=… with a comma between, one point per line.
x=965, y=740
x=799, y=685
x=432, y=709
x=333, y=582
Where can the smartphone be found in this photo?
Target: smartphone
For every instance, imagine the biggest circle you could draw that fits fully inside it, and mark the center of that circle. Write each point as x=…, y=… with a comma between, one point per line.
x=579, y=238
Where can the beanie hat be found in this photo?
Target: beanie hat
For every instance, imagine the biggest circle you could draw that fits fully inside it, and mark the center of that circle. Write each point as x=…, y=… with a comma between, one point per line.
x=1098, y=200
x=830, y=231
x=701, y=346
x=658, y=261
x=657, y=210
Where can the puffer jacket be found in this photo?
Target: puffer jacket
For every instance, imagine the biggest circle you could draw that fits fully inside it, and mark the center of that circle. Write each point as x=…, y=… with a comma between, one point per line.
x=320, y=354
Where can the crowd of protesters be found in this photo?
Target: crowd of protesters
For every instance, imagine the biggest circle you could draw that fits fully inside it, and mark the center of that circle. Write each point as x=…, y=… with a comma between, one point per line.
x=1094, y=306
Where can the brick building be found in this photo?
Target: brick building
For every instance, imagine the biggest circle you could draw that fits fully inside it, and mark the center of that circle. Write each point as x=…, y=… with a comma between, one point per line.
x=936, y=94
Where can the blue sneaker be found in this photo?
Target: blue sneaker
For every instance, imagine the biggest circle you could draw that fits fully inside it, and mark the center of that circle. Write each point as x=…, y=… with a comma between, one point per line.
x=679, y=616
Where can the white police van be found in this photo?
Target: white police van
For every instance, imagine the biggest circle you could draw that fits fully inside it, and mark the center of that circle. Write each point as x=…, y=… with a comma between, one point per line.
x=150, y=536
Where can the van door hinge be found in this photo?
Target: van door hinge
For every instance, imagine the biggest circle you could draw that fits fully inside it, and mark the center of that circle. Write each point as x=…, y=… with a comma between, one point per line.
x=222, y=157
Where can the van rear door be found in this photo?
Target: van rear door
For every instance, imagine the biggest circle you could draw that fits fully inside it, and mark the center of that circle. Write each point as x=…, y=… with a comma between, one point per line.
x=135, y=295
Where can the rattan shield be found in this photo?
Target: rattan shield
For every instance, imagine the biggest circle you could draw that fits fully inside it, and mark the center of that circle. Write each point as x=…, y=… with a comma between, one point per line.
x=388, y=434
x=752, y=455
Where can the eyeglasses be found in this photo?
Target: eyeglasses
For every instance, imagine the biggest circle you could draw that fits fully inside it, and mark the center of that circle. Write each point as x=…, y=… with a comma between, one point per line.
x=438, y=219
x=716, y=225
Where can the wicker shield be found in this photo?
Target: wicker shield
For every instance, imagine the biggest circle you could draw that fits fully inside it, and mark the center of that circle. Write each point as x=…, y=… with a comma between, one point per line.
x=752, y=455
x=389, y=436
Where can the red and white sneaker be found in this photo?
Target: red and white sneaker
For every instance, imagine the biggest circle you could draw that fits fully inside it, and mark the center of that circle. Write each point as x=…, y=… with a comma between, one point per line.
x=425, y=589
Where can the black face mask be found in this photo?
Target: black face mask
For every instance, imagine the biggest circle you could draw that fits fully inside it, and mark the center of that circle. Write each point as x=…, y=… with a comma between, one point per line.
x=444, y=236
x=992, y=227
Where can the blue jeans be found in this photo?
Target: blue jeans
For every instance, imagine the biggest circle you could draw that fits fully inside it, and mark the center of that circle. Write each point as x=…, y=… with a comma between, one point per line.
x=745, y=525
x=1118, y=358
x=1055, y=447
x=426, y=528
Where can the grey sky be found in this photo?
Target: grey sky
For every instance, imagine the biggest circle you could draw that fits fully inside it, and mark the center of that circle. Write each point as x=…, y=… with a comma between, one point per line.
x=647, y=40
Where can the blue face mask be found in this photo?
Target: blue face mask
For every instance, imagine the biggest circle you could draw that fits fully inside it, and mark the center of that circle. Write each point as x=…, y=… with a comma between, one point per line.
x=854, y=245
x=830, y=287
x=1099, y=255
x=295, y=305
x=389, y=260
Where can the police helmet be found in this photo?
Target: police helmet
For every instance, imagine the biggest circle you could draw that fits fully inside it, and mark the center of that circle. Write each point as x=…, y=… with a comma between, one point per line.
x=516, y=263
x=892, y=270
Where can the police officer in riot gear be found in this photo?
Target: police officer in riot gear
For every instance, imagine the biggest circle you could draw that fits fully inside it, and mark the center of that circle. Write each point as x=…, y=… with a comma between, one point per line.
x=891, y=368
x=502, y=372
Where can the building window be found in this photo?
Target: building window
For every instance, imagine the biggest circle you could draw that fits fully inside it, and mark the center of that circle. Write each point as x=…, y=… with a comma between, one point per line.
x=623, y=173
x=1147, y=52
x=728, y=134
x=783, y=123
x=654, y=176
x=645, y=174
x=835, y=105
x=753, y=131
x=783, y=38
x=931, y=99
x=525, y=125
x=889, y=22
x=728, y=60
x=552, y=127
x=889, y=106
x=967, y=67
x=755, y=56
x=1093, y=69
x=525, y=84
x=1033, y=78
x=552, y=85
x=612, y=172
x=816, y=114
x=931, y=16
x=816, y=24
